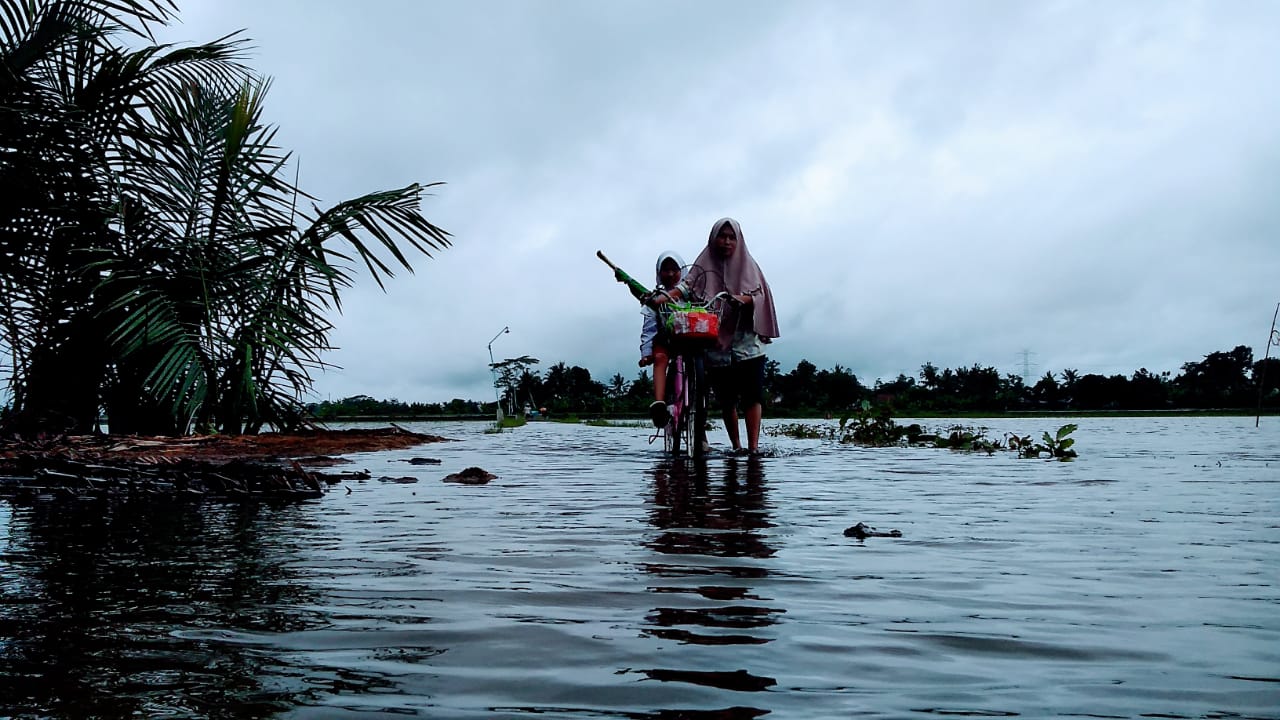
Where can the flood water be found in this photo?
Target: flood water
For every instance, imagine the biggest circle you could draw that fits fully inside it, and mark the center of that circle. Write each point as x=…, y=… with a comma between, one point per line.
x=596, y=579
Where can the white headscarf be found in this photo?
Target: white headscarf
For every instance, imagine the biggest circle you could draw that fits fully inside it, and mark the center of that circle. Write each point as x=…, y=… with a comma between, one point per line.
x=657, y=267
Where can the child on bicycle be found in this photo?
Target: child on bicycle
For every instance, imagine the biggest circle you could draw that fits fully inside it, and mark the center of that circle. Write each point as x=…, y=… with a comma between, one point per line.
x=653, y=342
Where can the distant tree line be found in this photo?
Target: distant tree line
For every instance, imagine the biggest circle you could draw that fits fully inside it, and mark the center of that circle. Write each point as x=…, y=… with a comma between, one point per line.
x=559, y=391
x=1230, y=379
x=1221, y=380
x=365, y=406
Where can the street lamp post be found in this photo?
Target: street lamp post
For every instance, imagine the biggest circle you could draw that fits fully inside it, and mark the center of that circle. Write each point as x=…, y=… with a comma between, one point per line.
x=494, y=373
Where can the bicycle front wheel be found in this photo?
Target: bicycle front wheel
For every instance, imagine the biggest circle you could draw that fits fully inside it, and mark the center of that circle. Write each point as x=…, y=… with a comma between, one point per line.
x=691, y=416
x=671, y=434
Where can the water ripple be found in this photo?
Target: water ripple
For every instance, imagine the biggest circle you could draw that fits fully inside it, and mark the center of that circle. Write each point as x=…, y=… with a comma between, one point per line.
x=595, y=578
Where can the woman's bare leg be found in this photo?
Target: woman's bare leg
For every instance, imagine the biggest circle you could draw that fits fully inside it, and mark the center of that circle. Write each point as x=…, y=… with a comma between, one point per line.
x=730, y=416
x=754, y=413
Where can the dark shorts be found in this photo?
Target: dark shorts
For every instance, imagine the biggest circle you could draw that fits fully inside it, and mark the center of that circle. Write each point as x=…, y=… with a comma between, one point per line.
x=739, y=384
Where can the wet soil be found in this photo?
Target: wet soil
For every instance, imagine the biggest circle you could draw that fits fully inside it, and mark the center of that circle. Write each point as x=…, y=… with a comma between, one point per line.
x=316, y=447
x=269, y=465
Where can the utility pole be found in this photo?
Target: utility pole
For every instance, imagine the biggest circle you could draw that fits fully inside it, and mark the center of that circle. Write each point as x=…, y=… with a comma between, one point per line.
x=493, y=373
x=1272, y=339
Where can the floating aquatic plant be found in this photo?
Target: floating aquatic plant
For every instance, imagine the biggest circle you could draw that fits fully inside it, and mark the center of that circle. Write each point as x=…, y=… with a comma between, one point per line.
x=1055, y=446
x=873, y=427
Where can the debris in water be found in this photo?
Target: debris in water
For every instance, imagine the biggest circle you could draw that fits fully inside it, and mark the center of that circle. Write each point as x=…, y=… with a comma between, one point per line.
x=471, y=476
x=863, y=531
x=423, y=461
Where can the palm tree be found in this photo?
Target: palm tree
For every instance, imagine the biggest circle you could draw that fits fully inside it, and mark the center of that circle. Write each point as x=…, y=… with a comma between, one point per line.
x=617, y=386
x=157, y=256
x=1070, y=377
x=510, y=375
x=929, y=377
x=69, y=98
x=223, y=295
x=1046, y=389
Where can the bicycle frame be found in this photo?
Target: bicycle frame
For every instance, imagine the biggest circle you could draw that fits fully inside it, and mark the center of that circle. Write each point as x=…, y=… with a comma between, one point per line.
x=687, y=394
x=677, y=404
x=683, y=435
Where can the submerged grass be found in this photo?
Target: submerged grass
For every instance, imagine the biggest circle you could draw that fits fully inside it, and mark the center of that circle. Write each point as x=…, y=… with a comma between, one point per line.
x=507, y=423
x=602, y=422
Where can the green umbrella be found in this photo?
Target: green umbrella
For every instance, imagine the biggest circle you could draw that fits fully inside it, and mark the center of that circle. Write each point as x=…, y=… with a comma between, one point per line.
x=640, y=291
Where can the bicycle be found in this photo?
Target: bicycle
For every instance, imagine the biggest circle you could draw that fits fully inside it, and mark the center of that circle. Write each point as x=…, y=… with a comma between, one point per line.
x=691, y=328
x=687, y=406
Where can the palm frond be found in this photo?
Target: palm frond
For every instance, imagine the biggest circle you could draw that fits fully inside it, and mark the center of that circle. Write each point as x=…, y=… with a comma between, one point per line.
x=388, y=216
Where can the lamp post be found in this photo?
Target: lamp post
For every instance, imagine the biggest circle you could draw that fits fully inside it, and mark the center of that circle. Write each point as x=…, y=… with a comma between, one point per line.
x=493, y=372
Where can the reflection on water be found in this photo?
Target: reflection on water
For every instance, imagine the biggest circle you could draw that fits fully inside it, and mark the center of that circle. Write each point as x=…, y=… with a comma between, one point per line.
x=93, y=591
x=595, y=578
x=701, y=519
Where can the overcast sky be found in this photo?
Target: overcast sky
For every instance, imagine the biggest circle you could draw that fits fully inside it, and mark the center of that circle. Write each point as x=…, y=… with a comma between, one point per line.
x=1094, y=184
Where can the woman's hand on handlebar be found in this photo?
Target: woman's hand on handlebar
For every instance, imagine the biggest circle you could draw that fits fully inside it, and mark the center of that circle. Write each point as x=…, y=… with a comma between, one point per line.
x=734, y=300
x=726, y=297
x=657, y=298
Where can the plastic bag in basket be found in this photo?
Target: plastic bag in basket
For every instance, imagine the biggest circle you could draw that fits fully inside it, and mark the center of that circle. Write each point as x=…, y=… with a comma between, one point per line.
x=693, y=324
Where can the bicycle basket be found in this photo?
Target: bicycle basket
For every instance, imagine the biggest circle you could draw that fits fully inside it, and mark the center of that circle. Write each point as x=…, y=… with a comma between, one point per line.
x=693, y=324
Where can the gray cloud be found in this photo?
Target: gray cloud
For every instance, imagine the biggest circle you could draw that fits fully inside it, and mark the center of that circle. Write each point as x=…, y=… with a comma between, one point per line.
x=953, y=183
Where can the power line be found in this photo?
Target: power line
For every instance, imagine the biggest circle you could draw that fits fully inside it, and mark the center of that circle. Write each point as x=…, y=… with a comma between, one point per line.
x=1027, y=364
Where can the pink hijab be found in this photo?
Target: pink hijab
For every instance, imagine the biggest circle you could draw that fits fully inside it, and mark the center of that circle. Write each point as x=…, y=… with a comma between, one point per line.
x=739, y=275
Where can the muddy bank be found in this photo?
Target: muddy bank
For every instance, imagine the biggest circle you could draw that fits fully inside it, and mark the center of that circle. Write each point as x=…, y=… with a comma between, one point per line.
x=270, y=466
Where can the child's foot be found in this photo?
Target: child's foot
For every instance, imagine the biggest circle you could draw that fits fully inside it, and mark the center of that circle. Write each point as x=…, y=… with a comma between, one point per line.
x=659, y=414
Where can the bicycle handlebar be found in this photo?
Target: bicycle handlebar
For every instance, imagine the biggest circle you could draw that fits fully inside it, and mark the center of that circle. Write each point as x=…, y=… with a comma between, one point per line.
x=725, y=295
